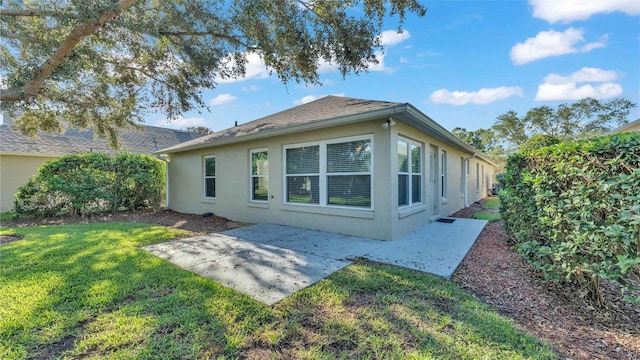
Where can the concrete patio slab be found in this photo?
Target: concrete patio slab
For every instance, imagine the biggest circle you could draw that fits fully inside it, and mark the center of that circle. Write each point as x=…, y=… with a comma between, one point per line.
x=437, y=248
x=265, y=272
x=320, y=243
x=270, y=262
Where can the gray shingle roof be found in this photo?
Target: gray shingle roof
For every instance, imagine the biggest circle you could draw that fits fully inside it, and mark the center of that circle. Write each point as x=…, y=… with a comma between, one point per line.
x=329, y=107
x=147, y=140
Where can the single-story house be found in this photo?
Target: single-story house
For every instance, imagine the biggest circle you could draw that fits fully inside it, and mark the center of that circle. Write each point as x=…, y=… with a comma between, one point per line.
x=21, y=156
x=360, y=167
x=632, y=126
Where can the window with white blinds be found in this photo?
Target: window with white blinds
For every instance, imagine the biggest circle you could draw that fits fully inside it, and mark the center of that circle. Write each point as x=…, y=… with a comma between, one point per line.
x=330, y=173
x=349, y=173
x=303, y=174
x=409, y=173
x=259, y=175
x=209, y=176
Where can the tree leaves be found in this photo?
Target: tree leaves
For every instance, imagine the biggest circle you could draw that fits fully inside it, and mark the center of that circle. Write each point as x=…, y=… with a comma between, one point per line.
x=104, y=64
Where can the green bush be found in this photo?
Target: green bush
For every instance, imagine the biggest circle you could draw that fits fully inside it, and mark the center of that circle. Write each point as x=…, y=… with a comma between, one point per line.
x=93, y=183
x=573, y=210
x=538, y=141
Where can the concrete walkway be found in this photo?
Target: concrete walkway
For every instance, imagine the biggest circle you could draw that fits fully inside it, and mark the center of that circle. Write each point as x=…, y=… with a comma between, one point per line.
x=270, y=262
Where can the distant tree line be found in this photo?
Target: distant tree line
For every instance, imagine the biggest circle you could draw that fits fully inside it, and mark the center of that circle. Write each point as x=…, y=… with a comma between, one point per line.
x=543, y=125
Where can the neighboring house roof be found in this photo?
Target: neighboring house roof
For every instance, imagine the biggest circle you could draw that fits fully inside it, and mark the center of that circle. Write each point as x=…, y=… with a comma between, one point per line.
x=147, y=140
x=323, y=113
x=632, y=126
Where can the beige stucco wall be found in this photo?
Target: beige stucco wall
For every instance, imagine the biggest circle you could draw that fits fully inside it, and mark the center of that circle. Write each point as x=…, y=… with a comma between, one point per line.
x=385, y=221
x=633, y=127
x=15, y=170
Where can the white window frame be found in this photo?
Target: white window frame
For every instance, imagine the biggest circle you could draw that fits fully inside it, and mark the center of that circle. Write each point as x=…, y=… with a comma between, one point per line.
x=323, y=174
x=483, y=179
x=205, y=177
x=443, y=175
x=477, y=177
x=410, y=173
x=251, y=176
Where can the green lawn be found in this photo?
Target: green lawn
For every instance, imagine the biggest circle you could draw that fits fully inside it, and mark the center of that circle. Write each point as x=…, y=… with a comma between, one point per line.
x=492, y=203
x=485, y=215
x=80, y=291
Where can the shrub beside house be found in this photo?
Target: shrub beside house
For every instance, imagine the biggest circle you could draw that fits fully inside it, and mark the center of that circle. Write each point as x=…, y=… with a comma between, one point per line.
x=21, y=156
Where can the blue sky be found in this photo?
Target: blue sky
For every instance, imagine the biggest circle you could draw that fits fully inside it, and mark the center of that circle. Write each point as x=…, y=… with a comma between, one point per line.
x=465, y=63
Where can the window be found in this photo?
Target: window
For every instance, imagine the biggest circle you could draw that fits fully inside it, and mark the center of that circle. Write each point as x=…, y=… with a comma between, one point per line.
x=443, y=174
x=331, y=173
x=409, y=173
x=303, y=175
x=467, y=166
x=478, y=177
x=349, y=173
x=462, y=175
x=210, y=177
x=482, y=171
x=260, y=175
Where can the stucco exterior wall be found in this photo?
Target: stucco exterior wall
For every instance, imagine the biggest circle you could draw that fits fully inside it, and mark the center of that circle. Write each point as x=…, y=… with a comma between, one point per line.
x=634, y=126
x=15, y=170
x=386, y=221
x=186, y=189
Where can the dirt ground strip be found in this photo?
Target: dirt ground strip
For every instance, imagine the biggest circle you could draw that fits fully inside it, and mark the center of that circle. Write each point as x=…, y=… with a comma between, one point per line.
x=494, y=273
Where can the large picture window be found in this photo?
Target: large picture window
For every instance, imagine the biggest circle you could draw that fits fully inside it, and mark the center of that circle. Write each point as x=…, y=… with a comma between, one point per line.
x=409, y=173
x=331, y=173
x=210, y=177
x=259, y=175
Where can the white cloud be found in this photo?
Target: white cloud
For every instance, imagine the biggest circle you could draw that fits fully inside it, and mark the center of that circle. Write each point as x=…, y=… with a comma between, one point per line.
x=306, y=99
x=380, y=65
x=254, y=69
x=553, y=43
x=393, y=37
x=250, y=88
x=328, y=82
x=404, y=60
x=558, y=87
x=222, y=99
x=310, y=98
x=387, y=38
x=571, y=10
x=482, y=96
x=181, y=122
x=325, y=67
x=586, y=74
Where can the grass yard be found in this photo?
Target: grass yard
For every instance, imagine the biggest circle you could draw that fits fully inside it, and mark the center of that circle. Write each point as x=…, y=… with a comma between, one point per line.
x=492, y=203
x=78, y=291
x=485, y=215
x=490, y=213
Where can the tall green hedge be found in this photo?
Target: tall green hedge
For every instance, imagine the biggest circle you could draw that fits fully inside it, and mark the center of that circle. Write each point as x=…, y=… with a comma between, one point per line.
x=93, y=183
x=573, y=210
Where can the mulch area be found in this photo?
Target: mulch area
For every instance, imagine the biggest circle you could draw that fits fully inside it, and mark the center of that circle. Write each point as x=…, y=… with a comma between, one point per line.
x=492, y=272
x=195, y=223
x=556, y=313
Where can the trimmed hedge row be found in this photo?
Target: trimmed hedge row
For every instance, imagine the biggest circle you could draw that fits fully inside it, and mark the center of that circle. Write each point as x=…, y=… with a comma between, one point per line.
x=93, y=183
x=573, y=210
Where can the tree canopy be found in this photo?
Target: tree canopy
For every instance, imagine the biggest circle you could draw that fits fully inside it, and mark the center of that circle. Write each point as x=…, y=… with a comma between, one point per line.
x=584, y=118
x=104, y=64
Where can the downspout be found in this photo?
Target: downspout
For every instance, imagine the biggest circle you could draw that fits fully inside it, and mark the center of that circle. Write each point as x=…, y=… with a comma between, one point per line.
x=466, y=180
